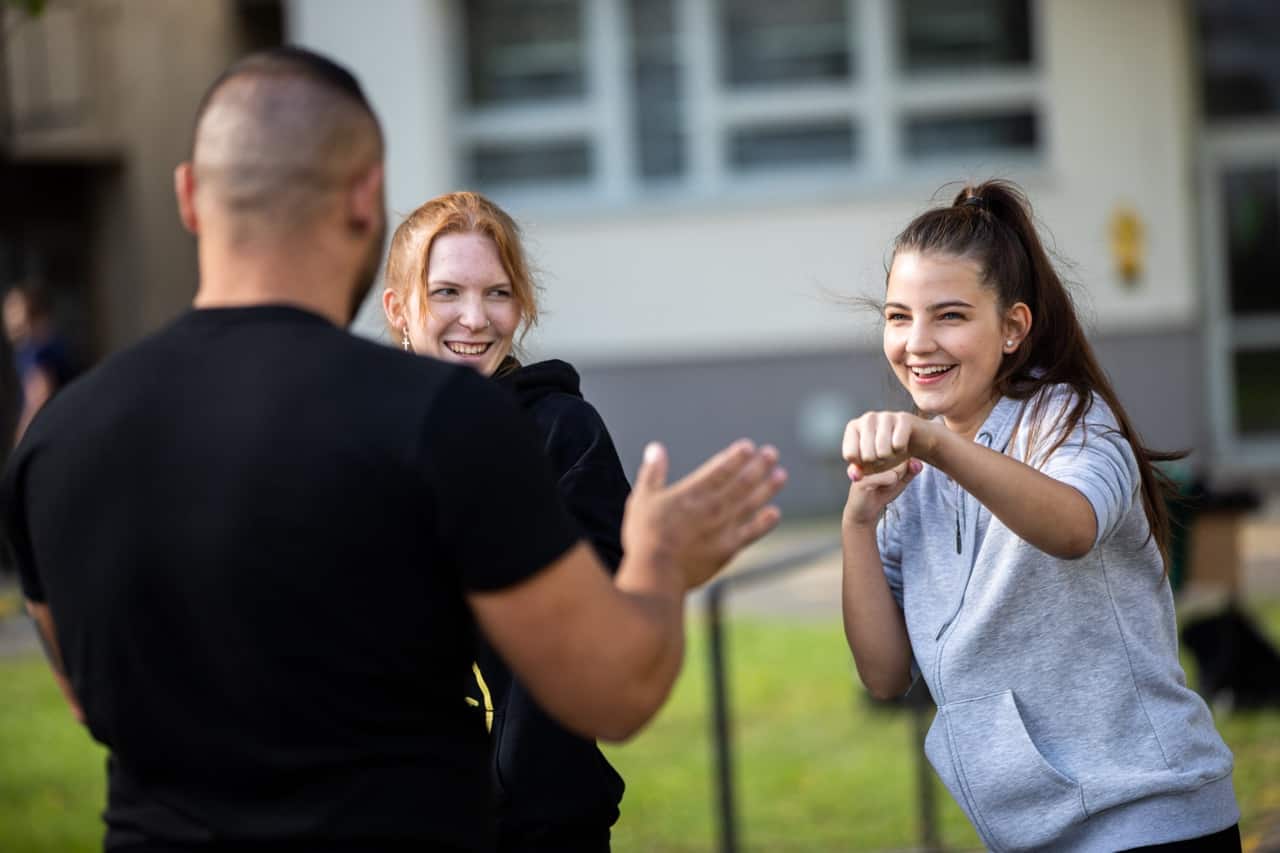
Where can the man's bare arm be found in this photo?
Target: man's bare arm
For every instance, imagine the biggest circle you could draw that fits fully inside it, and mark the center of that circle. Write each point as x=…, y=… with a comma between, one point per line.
x=43, y=620
x=600, y=654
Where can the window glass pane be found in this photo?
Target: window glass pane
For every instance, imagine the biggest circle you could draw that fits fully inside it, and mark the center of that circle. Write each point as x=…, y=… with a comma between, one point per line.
x=948, y=34
x=942, y=136
x=1258, y=391
x=793, y=145
x=766, y=41
x=521, y=50
x=529, y=163
x=1240, y=57
x=659, y=118
x=1253, y=238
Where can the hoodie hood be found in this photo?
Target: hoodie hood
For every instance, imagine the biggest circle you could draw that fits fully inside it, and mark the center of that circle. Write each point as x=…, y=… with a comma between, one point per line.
x=531, y=382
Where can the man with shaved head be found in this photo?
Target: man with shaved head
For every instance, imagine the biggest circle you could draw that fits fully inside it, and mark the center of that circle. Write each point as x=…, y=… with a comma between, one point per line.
x=258, y=548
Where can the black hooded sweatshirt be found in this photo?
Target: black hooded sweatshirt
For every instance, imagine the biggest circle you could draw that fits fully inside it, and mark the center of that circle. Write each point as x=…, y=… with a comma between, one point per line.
x=554, y=790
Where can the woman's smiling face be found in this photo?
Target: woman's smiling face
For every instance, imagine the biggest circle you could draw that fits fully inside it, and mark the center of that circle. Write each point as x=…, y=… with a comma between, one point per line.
x=470, y=314
x=945, y=336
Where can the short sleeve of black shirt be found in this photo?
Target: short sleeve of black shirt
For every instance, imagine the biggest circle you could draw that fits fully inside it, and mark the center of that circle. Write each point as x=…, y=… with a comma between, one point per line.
x=499, y=513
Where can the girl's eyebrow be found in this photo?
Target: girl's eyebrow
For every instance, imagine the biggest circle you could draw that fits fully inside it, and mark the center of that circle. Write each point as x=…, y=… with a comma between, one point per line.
x=937, y=306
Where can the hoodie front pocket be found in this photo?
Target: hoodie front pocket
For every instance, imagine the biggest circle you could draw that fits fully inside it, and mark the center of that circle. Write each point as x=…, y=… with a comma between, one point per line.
x=1014, y=797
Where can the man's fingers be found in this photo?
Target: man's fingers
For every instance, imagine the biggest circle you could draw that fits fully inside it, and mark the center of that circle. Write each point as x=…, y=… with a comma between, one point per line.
x=718, y=471
x=756, y=494
x=757, y=525
x=652, y=475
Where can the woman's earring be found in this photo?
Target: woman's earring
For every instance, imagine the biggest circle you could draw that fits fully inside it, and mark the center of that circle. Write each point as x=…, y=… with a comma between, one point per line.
x=404, y=340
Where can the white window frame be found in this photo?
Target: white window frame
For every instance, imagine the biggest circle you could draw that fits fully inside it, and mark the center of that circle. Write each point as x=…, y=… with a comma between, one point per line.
x=1228, y=146
x=876, y=99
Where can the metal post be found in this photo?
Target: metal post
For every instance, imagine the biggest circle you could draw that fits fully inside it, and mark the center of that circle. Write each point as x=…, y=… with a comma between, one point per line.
x=720, y=722
x=720, y=740
x=924, y=780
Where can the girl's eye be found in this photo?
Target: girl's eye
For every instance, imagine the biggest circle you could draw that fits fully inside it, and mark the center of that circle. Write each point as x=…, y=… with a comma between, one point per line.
x=953, y=315
x=444, y=292
x=895, y=316
x=500, y=293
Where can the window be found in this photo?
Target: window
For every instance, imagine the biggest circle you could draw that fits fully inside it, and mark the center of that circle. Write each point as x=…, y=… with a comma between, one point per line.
x=943, y=135
x=617, y=99
x=766, y=42
x=949, y=35
x=524, y=51
x=655, y=67
x=799, y=144
x=1240, y=70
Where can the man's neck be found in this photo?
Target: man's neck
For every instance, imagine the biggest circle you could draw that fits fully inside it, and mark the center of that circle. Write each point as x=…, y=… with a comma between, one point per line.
x=310, y=280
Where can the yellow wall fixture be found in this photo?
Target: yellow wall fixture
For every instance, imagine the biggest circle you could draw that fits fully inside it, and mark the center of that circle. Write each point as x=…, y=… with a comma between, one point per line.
x=1128, y=244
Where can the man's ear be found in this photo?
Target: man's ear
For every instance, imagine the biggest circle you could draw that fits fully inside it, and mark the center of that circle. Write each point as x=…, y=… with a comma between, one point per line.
x=184, y=188
x=365, y=200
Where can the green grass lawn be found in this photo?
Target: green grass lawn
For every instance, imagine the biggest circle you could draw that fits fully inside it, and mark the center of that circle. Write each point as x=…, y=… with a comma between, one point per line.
x=52, y=775
x=817, y=769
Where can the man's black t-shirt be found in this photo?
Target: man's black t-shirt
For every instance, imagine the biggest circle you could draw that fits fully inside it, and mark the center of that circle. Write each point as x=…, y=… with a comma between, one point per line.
x=255, y=533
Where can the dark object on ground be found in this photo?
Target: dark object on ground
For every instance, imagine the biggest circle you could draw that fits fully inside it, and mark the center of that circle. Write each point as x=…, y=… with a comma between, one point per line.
x=1196, y=501
x=1237, y=663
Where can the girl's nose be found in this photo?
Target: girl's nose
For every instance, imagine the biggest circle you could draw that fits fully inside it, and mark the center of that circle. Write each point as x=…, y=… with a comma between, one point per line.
x=918, y=338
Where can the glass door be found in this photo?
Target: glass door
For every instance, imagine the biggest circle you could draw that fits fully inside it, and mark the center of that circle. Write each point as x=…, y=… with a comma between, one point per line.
x=1239, y=196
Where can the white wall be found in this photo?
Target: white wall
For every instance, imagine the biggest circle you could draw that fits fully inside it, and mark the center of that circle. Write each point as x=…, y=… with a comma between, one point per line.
x=399, y=50
x=669, y=281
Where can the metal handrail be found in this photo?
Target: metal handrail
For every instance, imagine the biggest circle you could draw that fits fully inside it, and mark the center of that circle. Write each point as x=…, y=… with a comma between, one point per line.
x=917, y=699
x=716, y=591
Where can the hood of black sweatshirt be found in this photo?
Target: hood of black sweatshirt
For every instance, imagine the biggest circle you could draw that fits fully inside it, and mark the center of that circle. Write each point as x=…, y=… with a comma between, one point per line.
x=532, y=382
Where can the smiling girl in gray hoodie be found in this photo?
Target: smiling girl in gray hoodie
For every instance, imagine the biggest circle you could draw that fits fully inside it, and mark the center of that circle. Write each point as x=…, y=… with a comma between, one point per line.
x=1008, y=545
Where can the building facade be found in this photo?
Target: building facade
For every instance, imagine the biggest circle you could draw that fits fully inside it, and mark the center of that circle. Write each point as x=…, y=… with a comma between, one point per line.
x=98, y=100
x=705, y=184
x=708, y=187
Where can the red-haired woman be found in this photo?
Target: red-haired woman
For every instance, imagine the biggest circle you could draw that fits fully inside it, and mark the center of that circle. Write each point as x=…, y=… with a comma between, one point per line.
x=459, y=289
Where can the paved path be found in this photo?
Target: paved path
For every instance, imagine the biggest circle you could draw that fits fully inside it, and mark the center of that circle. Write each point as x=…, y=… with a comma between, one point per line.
x=17, y=636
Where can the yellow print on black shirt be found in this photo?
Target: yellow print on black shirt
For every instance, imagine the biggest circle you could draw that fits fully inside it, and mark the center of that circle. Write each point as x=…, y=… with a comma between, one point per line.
x=485, y=699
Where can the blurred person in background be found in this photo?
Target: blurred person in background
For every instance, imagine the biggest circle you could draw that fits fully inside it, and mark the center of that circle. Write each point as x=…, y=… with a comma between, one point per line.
x=259, y=549
x=41, y=354
x=459, y=289
x=10, y=410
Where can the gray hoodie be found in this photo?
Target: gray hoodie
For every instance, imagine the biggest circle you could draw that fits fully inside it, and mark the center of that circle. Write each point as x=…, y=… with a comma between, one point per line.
x=1064, y=719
